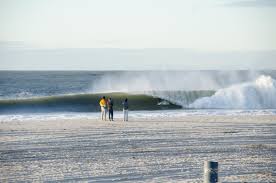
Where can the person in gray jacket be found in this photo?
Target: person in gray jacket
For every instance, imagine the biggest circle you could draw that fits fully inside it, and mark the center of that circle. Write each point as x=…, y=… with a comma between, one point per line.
x=125, y=109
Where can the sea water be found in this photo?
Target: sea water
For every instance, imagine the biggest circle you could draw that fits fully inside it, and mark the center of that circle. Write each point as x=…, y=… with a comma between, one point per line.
x=156, y=94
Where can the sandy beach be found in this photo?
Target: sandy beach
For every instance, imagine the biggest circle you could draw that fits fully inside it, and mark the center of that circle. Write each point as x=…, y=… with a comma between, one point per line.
x=140, y=150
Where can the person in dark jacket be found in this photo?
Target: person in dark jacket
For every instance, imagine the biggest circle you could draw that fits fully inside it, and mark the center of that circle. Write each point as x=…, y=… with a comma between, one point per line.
x=125, y=109
x=110, y=109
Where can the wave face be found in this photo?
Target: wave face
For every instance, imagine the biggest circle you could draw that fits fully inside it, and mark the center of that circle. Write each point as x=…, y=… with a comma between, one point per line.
x=82, y=103
x=153, y=100
x=260, y=94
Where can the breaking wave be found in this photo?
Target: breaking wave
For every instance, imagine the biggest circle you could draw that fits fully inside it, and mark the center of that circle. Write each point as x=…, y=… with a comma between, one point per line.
x=151, y=100
x=259, y=94
x=80, y=103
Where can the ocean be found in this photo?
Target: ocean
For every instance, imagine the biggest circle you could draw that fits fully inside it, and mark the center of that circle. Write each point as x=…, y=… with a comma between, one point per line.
x=70, y=94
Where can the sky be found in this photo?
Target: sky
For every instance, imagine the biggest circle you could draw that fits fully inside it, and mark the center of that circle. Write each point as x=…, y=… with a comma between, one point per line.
x=137, y=34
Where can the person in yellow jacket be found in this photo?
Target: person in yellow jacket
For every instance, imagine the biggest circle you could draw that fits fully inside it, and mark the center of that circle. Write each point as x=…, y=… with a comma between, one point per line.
x=103, y=105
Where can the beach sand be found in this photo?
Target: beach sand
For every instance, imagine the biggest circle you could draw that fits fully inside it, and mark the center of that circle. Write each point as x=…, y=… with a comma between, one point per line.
x=140, y=150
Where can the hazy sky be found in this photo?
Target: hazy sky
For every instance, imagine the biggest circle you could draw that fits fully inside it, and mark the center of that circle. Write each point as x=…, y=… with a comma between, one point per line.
x=190, y=34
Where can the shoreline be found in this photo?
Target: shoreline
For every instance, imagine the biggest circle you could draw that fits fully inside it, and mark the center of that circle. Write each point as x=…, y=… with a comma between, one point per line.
x=142, y=115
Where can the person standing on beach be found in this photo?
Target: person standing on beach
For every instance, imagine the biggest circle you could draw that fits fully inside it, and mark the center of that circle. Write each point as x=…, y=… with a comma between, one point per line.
x=125, y=110
x=110, y=109
x=103, y=108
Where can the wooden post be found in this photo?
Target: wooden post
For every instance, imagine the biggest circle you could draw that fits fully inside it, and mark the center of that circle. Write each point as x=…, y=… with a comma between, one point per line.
x=210, y=172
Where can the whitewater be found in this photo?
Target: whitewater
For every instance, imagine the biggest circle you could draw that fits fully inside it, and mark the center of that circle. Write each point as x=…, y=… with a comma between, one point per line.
x=259, y=94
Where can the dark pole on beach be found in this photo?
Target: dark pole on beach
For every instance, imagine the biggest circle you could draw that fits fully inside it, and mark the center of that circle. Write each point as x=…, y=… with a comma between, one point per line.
x=210, y=172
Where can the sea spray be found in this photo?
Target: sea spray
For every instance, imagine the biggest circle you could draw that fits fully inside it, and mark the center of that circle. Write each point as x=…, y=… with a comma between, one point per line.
x=259, y=94
x=133, y=81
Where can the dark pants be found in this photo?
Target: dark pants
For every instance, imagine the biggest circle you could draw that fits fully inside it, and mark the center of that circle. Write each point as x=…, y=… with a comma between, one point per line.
x=110, y=114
